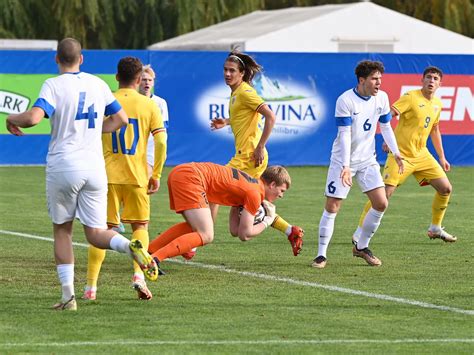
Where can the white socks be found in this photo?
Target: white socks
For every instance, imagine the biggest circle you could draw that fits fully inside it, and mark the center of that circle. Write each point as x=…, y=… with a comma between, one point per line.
x=121, y=244
x=326, y=229
x=369, y=227
x=66, y=278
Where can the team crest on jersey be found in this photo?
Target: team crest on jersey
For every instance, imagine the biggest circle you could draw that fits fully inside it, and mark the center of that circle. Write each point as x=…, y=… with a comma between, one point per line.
x=297, y=106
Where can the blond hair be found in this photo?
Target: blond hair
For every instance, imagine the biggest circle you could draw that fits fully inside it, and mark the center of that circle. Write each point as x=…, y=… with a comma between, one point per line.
x=149, y=70
x=277, y=174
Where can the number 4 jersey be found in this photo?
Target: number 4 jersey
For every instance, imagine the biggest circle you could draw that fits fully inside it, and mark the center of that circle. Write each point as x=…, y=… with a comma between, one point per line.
x=75, y=104
x=362, y=114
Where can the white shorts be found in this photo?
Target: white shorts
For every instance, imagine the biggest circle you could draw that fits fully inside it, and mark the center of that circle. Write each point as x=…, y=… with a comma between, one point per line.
x=368, y=178
x=80, y=194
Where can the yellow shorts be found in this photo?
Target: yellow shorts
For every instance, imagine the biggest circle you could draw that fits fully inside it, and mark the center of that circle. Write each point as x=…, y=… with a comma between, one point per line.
x=245, y=163
x=133, y=199
x=425, y=168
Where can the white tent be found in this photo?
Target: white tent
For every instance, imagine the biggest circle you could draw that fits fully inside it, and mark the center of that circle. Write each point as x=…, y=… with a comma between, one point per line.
x=356, y=27
x=34, y=44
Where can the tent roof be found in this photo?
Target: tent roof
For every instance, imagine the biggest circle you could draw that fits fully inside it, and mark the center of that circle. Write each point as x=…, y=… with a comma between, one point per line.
x=354, y=22
x=250, y=26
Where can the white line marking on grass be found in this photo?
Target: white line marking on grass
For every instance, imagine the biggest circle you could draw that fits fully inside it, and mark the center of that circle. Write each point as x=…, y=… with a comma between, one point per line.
x=289, y=281
x=243, y=342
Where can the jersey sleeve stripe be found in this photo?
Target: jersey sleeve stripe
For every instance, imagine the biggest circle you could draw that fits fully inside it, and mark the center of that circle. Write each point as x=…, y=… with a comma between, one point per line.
x=343, y=121
x=396, y=110
x=45, y=106
x=158, y=130
x=112, y=108
x=385, y=118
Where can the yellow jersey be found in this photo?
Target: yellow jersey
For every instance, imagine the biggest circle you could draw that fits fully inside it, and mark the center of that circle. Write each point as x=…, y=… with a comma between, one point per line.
x=245, y=121
x=125, y=149
x=417, y=116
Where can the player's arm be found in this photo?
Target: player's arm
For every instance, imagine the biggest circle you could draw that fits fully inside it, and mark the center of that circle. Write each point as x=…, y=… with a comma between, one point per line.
x=159, y=138
x=389, y=138
x=246, y=227
x=25, y=119
x=435, y=135
x=394, y=113
x=258, y=154
x=115, y=121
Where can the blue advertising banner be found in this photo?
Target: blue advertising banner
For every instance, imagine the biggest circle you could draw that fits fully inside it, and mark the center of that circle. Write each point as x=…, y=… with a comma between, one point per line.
x=301, y=89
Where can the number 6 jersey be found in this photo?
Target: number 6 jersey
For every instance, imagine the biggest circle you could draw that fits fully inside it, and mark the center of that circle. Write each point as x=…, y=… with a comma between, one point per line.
x=362, y=114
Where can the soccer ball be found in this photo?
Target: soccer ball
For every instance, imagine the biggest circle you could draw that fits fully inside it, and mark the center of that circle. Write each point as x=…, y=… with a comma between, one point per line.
x=259, y=216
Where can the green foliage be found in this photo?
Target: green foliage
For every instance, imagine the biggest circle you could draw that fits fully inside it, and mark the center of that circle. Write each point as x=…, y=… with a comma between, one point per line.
x=139, y=23
x=199, y=308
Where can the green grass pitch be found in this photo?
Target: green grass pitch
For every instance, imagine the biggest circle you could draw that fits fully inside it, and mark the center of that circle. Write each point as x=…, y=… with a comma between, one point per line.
x=252, y=297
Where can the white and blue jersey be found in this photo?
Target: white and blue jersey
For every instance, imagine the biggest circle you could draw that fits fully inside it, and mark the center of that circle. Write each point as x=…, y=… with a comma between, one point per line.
x=163, y=106
x=76, y=104
x=362, y=114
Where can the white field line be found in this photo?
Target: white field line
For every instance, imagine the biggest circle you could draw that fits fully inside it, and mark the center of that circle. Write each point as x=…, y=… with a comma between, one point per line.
x=290, y=281
x=241, y=342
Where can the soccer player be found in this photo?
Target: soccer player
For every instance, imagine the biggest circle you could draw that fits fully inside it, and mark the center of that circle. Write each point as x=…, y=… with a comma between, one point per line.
x=194, y=186
x=146, y=87
x=419, y=112
x=245, y=110
x=76, y=181
x=353, y=154
x=126, y=163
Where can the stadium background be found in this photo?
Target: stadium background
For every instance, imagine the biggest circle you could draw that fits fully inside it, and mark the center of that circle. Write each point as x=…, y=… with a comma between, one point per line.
x=301, y=88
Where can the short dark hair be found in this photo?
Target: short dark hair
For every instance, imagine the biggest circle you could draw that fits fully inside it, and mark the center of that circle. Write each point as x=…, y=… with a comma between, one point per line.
x=69, y=51
x=367, y=67
x=129, y=69
x=433, y=69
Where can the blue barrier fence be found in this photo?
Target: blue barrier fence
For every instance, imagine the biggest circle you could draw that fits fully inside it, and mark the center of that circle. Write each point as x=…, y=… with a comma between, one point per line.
x=301, y=88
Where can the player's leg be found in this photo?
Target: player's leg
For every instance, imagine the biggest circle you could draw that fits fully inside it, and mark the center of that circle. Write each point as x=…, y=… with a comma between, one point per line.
x=371, y=183
x=62, y=194
x=64, y=257
x=202, y=225
x=96, y=256
x=335, y=192
x=391, y=179
x=91, y=211
x=429, y=172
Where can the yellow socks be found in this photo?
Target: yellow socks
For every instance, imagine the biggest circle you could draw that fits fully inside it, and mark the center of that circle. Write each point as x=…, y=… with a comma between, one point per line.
x=96, y=257
x=280, y=224
x=440, y=203
x=141, y=235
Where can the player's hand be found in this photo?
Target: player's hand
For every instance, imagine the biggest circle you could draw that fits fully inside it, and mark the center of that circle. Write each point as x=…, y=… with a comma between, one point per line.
x=346, y=176
x=270, y=212
x=401, y=166
x=445, y=164
x=153, y=186
x=296, y=239
x=15, y=130
x=385, y=147
x=218, y=123
x=258, y=155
